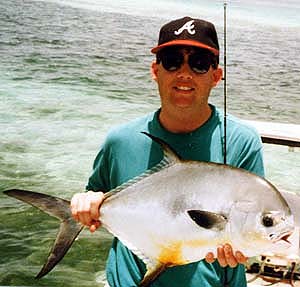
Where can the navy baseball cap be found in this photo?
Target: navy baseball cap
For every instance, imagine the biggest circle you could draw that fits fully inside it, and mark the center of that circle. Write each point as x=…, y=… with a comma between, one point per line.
x=188, y=31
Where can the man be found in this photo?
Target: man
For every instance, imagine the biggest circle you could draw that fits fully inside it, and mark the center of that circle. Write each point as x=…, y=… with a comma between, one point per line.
x=186, y=69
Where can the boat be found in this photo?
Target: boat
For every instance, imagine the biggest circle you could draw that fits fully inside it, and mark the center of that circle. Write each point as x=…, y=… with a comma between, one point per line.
x=278, y=133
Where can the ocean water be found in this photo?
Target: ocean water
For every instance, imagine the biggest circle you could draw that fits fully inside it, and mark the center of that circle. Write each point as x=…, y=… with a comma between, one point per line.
x=70, y=70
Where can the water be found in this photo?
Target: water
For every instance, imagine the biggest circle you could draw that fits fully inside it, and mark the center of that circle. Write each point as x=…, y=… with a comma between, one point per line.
x=72, y=69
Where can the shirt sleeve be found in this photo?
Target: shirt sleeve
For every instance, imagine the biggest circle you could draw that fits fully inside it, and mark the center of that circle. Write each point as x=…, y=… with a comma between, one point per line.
x=254, y=162
x=99, y=179
x=247, y=150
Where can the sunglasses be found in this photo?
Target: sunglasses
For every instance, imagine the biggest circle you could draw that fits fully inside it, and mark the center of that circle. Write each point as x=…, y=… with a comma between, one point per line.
x=199, y=61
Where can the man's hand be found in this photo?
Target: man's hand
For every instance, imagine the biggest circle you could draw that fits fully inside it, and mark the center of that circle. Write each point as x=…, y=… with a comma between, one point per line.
x=226, y=257
x=85, y=208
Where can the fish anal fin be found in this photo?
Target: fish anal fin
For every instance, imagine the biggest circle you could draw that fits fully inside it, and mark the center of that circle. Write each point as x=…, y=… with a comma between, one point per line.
x=207, y=219
x=153, y=271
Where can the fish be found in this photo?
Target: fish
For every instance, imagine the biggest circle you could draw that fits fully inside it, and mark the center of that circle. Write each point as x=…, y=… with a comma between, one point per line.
x=178, y=211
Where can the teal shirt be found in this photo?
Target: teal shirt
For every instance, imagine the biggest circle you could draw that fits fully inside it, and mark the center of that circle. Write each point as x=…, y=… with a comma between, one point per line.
x=127, y=153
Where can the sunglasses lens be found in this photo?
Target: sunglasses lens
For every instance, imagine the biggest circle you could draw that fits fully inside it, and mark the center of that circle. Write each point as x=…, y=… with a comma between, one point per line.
x=200, y=63
x=172, y=61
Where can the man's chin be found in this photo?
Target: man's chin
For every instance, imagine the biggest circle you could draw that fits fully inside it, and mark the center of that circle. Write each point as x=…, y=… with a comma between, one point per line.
x=183, y=102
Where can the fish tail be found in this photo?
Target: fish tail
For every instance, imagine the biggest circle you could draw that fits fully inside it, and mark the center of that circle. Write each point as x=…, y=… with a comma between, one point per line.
x=56, y=207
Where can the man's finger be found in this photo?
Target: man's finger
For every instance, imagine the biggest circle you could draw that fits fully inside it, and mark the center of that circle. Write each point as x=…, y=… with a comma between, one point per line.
x=95, y=203
x=83, y=212
x=230, y=258
x=221, y=256
x=240, y=257
x=74, y=207
x=94, y=226
x=210, y=258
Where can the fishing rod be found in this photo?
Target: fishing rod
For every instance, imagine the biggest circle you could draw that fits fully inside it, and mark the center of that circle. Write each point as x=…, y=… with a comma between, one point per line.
x=225, y=108
x=225, y=87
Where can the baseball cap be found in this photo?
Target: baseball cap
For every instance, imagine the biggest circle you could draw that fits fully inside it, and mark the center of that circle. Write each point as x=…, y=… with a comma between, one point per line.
x=189, y=32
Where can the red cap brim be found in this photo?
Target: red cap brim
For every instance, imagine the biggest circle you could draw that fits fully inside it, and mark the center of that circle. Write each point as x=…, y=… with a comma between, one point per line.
x=185, y=43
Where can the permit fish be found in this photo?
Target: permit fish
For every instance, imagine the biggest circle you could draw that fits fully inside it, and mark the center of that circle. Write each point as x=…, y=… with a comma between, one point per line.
x=178, y=211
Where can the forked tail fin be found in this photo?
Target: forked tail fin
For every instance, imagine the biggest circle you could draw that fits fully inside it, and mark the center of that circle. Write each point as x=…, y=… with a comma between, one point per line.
x=59, y=208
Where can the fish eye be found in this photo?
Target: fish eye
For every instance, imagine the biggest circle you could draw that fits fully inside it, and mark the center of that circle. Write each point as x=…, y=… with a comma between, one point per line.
x=267, y=221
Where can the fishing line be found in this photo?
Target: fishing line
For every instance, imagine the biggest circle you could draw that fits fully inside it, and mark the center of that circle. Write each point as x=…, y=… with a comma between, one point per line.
x=225, y=115
x=225, y=88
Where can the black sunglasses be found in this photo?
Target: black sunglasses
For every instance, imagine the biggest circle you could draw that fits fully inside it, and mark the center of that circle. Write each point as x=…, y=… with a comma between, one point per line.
x=199, y=61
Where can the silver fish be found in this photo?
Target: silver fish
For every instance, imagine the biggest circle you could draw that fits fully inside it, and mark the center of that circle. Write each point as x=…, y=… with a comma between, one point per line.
x=178, y=211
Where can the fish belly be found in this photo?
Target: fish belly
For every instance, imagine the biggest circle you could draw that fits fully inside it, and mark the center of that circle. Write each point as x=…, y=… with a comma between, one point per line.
x=150, y=216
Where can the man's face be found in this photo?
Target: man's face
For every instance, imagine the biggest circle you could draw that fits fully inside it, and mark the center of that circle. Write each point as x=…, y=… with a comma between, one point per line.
x=185, y=78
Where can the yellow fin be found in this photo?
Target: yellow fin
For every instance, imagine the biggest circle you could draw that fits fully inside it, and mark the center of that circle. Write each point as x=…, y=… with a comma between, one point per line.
x=153, y=271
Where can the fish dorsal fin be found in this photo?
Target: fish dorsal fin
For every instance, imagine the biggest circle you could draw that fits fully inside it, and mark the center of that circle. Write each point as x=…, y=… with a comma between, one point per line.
x=169, y=153
x=207, y=219
x=170, y=157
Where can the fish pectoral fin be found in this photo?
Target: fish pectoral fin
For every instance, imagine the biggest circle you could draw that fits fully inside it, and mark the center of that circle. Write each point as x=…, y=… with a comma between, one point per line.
x=207, y=219
x=153, y=271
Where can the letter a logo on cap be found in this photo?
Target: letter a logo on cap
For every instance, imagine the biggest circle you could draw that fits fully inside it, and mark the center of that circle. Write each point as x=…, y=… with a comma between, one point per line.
x=189, y=26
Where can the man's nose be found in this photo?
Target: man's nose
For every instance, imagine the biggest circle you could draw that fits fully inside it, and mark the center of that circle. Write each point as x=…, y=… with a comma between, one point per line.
x=185, y=72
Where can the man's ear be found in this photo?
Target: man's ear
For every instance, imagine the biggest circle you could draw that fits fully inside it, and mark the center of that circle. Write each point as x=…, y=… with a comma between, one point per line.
x=154, y=70
x=217, y=75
